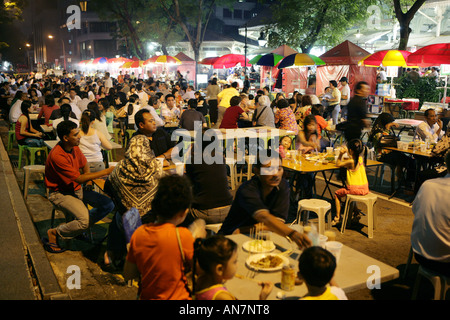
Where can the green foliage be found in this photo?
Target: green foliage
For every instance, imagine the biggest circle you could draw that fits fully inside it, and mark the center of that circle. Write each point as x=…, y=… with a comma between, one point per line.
x=310, y=22
x=425, y=89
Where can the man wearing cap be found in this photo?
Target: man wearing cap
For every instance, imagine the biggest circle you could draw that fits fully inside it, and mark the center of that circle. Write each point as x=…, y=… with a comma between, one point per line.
x=345, y=96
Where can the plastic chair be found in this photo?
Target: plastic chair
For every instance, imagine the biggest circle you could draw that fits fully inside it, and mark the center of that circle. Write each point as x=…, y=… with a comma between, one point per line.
x=369, y=200
x=233, y=172
x=213, y=228
x=440, y=283
x=250, y=160
x=320, y=207
x=208, y=120
x=32, y=151
x=28, y=170
x=380, y=172
x=11, y=139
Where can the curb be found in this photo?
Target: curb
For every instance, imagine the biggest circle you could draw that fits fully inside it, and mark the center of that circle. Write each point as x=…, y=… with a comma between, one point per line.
x=39, y=265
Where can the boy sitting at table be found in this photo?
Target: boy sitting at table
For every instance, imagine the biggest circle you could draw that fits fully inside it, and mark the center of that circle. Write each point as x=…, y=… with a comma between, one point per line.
x=316, y=268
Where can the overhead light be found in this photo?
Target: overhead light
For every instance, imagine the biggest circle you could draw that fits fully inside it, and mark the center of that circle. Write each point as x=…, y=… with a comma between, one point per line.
x=50, y=37
x=262, y=40
x=358, y=34
x=83, y=6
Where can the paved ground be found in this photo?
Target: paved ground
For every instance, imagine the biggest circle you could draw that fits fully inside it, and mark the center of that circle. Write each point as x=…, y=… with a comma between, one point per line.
x=390, y=245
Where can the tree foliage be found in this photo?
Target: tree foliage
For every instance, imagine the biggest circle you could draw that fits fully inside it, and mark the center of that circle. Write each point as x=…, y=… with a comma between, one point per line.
x=303, y=24
x=10, y=11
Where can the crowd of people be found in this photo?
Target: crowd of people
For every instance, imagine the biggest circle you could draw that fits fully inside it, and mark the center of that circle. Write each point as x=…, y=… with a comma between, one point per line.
x=87, y=114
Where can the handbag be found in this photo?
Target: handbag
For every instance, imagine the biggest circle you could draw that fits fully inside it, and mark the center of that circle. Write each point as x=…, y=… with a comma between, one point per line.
x=131, y=221
x=387, y=141
x=255, y=119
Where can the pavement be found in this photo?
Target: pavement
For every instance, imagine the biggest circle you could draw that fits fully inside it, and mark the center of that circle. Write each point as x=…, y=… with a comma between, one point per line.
x=28, y=272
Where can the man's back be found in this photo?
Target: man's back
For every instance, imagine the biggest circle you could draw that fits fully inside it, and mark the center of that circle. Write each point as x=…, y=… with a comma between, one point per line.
x=430, y=236
x=225, y=96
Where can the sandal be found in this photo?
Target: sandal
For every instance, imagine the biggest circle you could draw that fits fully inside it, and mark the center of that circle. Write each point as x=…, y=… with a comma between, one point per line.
x=335, y=221
x=51, y=247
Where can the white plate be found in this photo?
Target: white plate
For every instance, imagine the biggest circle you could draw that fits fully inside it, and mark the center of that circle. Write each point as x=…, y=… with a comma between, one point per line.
x=258, y=246
x=257, y=257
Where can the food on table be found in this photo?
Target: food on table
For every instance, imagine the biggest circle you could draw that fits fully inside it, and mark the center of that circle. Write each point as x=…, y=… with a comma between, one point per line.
x=260, y=245
x=268, y=262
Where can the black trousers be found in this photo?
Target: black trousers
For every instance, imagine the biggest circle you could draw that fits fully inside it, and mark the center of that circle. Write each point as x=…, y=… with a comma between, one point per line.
x=213, y=111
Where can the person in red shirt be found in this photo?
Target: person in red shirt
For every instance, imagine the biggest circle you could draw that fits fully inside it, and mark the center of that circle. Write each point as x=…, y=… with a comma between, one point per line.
x=48, y=108
x=322, y=124
x=64, y=182
x=232, y=114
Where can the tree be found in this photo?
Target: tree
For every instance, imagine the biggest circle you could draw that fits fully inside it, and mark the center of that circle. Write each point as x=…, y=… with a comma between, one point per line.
x=314, y=22
x=124, y=12
x=10, y=11
x=193, y=18
x=404, y=20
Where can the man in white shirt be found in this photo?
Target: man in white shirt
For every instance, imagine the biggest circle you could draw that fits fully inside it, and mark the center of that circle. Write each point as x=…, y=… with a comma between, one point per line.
x=83, y=103
x=15, y=111
x=170, y=109
x=345, y=96
x=430, y=235
x=143, y=96
x=190, y=94
x=431, y=128
x=108, y=82
x=74, y=100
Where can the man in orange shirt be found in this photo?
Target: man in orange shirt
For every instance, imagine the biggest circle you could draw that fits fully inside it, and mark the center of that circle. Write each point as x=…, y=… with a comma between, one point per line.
x=64, y=181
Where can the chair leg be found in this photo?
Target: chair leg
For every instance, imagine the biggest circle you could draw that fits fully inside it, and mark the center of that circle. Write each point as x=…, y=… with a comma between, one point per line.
x=52, y=221
x=345, y=216
x=370, y=220
x=408, y=263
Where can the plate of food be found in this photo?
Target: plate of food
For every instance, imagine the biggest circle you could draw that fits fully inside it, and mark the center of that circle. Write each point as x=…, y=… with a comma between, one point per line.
x=258, y=246
x=266, y=262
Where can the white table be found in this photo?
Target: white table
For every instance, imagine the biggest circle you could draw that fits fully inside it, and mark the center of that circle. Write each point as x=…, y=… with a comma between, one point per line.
x=407, y=123
x=353, y=272
x=52, y=143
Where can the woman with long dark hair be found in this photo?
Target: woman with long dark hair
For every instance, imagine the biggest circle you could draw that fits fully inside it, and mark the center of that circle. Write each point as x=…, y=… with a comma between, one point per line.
x=92, y=142
x=25, y=133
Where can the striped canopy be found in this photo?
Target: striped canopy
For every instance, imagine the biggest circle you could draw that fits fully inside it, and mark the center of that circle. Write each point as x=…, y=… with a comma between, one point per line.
x=162, y=60
x=300, y=59
x=132, y=65
x=268, y=60
x=386, y=58
x=100, y=60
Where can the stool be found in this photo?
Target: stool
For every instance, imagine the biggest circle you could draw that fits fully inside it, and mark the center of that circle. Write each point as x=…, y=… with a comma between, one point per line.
x=440, y=283
x=28, y=170
x=320, y=207
x=369, y=200
x=250, y=160
x=11, y=139
x=214, y=228
x=32, y=151
x=208, y=120
x=233, y=172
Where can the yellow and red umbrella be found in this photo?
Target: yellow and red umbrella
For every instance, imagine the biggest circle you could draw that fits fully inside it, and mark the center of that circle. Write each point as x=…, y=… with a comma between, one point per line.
x=132, y=64
x=386, y=58
x=162, y=60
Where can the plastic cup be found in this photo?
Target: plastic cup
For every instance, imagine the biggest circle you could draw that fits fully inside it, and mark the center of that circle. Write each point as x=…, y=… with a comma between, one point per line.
x=423, y=148
x=329, y=150
x=331, y=235
x=322, y=240
x=335, y=247
x=161, y=163
x=179, y=168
